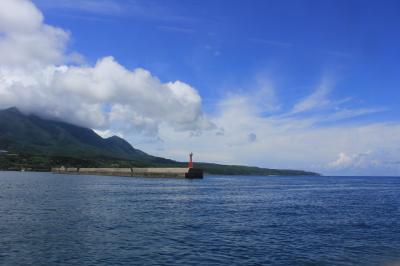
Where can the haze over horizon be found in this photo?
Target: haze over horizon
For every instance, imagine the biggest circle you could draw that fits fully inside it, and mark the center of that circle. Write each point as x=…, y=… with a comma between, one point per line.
x=280, y=84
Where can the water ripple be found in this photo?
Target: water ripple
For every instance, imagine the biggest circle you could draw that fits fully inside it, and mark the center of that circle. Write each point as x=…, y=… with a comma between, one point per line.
x=48, y=219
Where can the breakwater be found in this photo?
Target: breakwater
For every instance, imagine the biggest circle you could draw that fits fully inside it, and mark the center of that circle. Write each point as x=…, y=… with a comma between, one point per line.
x=145, y=172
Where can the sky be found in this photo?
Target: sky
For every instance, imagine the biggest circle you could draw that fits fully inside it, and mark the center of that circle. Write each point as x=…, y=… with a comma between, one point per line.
x=302, y=84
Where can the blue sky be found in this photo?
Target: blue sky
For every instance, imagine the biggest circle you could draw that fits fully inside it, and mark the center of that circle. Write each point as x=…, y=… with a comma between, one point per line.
x=286, y=84
x=219, y=46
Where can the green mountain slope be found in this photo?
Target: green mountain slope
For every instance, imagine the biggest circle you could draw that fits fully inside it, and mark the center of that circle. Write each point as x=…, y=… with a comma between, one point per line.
x=37, y=143
x=31, y=134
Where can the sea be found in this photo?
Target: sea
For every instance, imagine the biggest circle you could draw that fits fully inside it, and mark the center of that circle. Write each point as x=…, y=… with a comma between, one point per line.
x=50, y=219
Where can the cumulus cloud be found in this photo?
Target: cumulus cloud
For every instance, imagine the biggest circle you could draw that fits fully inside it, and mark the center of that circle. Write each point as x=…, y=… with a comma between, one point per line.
x=25, y=39
x=343, y=160
x=369, y=162
x=34, y=76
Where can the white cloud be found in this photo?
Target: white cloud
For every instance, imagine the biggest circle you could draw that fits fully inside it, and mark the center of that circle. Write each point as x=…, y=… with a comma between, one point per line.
x=106, y=95
x=342, y=114
x=377, y=162
x=284, y=141
x=25, y=39
x=342, y=161
x=318, y=99
x=108, y=133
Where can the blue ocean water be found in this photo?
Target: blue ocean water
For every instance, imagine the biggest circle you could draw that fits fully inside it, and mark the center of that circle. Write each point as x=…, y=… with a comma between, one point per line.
x=48, y=219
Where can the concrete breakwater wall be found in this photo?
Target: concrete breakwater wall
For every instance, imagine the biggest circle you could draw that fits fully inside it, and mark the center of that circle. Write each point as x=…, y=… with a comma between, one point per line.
x=147, y=172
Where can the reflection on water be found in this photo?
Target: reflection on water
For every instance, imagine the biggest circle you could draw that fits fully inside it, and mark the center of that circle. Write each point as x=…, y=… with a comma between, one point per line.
x=48, y=219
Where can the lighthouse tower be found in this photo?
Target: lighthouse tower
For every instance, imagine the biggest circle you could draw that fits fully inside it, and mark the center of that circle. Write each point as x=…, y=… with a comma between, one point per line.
x=190, y=160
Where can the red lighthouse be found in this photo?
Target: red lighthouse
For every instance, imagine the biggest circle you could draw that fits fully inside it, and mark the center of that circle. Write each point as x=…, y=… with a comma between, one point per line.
x=191, y=160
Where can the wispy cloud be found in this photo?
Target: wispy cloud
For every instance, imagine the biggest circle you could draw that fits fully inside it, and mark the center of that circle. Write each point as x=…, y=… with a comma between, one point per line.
x=89, y=18
x=352, y=113
x=102, y=7
x=339, y=53
x=309, y=135
x=320, y=108
x=246, y=135
x=127, y=8
x=176, y=29
x=272, y=42
x=318, y=99
x=213, y=50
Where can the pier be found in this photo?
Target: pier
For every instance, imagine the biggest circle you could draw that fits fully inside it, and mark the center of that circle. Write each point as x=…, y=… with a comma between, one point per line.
x=192, y=173
x=188, y=172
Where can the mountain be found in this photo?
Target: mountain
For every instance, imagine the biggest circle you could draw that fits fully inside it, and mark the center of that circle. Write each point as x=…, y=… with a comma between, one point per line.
x=36, y=143
x=33, y=135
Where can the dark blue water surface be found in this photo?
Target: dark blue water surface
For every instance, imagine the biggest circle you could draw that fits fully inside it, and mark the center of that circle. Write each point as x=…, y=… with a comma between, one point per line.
x=48, y=219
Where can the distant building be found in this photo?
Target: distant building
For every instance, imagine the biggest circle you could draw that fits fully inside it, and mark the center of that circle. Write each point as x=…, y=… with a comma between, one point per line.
x=3, y=152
